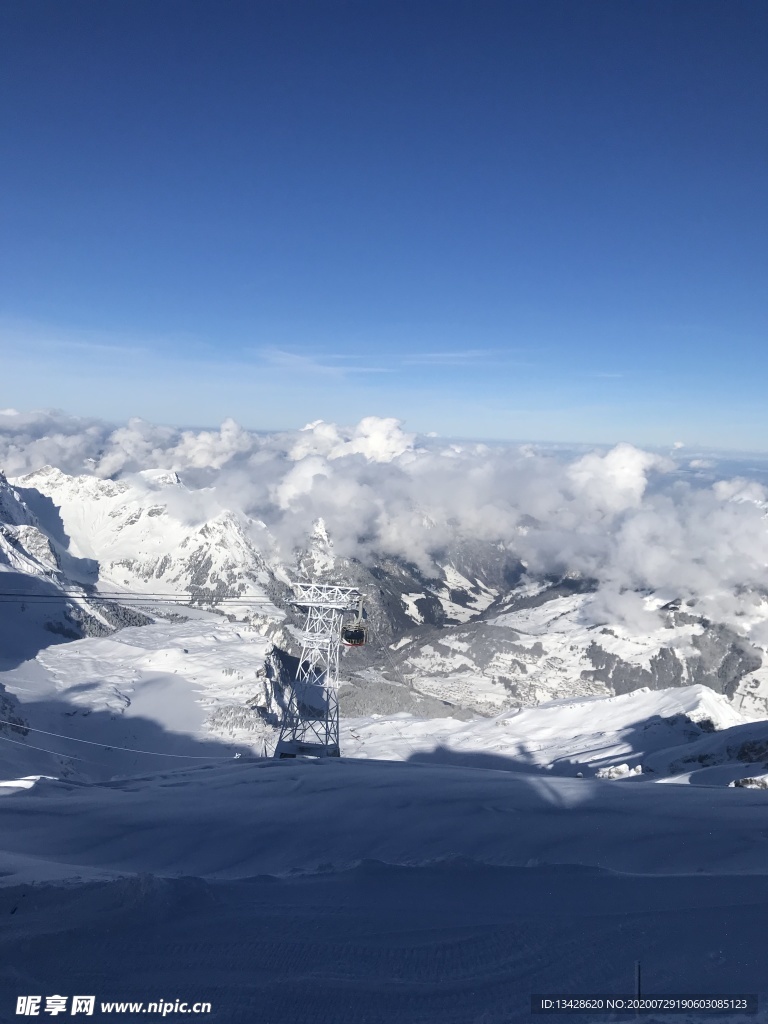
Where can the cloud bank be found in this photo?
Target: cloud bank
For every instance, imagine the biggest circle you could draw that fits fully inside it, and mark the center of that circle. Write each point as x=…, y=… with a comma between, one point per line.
x=631, y=519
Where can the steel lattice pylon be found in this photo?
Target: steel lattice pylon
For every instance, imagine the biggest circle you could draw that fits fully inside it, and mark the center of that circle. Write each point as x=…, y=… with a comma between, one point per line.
x=311, y=721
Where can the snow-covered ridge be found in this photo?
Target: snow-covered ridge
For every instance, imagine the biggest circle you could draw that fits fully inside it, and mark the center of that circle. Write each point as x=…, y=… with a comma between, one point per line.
x=646, y=731
x=150, y=535
x=34, y=565
x=24, y=547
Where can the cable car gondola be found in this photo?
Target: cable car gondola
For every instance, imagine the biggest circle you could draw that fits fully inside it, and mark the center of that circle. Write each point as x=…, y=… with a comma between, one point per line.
x=355, y=634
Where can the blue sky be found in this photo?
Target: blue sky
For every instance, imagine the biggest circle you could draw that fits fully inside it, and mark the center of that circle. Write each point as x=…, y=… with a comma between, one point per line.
x=517, y=219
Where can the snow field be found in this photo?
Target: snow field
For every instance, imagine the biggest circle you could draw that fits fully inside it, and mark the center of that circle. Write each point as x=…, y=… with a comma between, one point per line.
x=563, y=736
x=335, y=892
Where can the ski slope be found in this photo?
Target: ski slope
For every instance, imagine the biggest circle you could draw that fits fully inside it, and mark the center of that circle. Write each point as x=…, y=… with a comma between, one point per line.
x=341, y=891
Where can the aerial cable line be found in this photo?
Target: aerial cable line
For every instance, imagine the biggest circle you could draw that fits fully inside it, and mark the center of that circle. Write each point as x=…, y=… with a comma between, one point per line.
x=186, y=599
x=396, y=670
x=386, y=654
x=45, y=750
x=112, y=746
x=408, y=686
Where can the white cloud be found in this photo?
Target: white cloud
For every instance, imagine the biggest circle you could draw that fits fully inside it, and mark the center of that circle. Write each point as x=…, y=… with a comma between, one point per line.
x=378, y=439
x=626, y=517
x=614, y=481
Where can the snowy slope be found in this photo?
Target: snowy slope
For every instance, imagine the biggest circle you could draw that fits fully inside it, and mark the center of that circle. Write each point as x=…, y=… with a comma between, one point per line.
x=168, y=693
x=345, y=891
x=171, y=685
x=588, y=735
x=254, y=816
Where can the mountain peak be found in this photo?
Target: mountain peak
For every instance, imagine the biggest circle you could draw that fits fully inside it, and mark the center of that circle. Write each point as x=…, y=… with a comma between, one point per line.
x=161, y=477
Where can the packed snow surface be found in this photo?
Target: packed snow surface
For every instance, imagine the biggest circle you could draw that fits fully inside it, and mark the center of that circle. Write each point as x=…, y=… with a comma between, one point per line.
x=251, y=817
x=341, y=891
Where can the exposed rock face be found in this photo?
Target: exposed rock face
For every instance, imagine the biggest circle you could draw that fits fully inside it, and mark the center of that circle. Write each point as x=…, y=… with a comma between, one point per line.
x=720, y=659
x=759, y=782
x=725, y=659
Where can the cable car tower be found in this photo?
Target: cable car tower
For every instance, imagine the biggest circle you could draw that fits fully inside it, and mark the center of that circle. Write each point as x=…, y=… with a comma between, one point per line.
x=311, y=721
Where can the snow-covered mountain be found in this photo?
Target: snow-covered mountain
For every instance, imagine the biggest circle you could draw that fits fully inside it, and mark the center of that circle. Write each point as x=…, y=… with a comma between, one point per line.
x=537, y=644
x=41, y=602
x=147, y=536
x=475, y=633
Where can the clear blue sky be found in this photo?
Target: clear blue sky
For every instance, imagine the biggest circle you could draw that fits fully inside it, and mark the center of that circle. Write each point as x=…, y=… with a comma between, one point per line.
x=525, y=218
